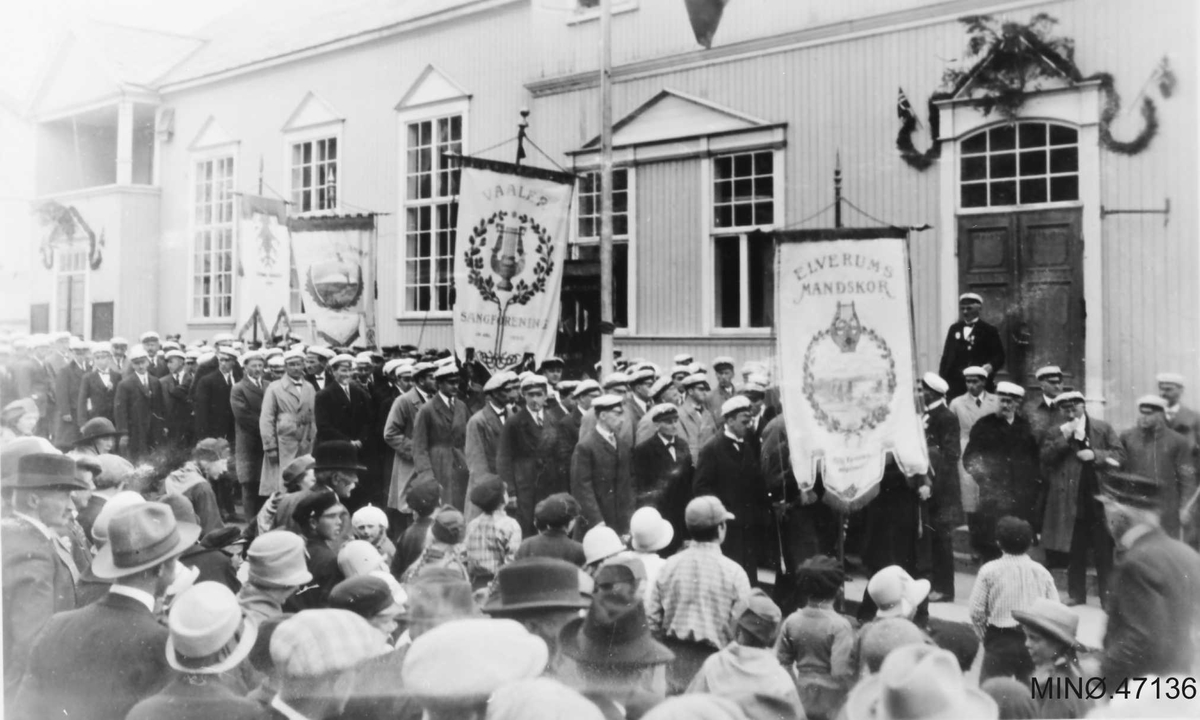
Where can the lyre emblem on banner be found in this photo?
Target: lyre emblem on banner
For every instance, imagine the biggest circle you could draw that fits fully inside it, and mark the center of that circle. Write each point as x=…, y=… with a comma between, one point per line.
x=849, y=374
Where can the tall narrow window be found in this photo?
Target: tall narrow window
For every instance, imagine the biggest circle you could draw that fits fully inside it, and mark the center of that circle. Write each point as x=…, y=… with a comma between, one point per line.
x=315, y=175
x=212, y=239
x=587, y=237
x=743, y=200
x=72, y=277
x=430, y=211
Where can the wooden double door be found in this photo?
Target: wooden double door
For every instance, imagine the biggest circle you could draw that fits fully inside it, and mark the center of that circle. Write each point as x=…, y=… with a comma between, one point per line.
x=1028, y=268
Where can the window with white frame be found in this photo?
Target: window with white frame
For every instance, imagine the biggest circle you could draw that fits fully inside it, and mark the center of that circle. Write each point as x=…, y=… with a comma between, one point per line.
x=315, y=175
x=430, y=211
x=212, y=239
x=743, y=200
x=1024, y=163
x=587, y=236
x=71, y=282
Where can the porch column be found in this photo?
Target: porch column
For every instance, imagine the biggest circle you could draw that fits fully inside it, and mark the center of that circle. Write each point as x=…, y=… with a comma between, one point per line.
x=125, y=143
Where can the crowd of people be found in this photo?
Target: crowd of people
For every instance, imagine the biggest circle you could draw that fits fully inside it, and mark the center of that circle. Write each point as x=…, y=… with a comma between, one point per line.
x=220, y=530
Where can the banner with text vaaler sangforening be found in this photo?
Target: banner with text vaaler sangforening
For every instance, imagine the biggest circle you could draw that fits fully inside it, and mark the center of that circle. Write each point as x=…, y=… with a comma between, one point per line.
x=508, y=258
x=849, y=380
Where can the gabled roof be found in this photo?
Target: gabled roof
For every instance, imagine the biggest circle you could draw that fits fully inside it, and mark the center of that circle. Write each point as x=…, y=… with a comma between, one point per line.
x=432, y=86
x=671, y=114
x=262, y=30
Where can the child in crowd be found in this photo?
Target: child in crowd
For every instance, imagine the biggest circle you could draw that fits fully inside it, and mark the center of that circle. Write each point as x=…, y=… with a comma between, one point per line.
x=444, y=549
x=297, y=475
x=817, y=642
x=1014, y=581
x=424, y=499
x=371, y=524
x=493, y=538
x=554, y=518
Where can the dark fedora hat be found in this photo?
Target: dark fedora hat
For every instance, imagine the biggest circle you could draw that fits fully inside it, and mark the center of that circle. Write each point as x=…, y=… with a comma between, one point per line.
x=140, y=537
x=337, y=455
x=614, y=634
x=1135, y=491
x=47, y=471
x=95, y=429
x=536, y=583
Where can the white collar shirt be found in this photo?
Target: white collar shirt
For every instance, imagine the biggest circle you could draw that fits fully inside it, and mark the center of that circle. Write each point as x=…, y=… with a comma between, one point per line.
x=448, y=400
x=606, y=434
x=143, y=378
x=736, y=440
x=501, y=412
x=935, y=405
x=133, y=593
x=670, y=444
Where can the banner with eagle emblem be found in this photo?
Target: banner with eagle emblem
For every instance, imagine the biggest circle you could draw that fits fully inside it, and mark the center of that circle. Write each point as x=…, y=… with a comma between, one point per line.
x=513, y=223
x=264, y=263
x=849, y=386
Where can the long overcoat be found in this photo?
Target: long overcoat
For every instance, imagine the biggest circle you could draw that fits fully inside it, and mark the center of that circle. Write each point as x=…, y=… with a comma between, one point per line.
x=969, y=410
x=697, y=426
x=483, y=439
x=96, y=400
x=439, y=438
x=1166, y=456
x=398, y=434
x=534, y=462
x=1004, y=459
x=246, y=400
x=942, y=439
x=213, y=412
x=287, y=423
x=601, y=481
x=138, y=412
x=67, y=385
x=177, y=408
x=1063, y=470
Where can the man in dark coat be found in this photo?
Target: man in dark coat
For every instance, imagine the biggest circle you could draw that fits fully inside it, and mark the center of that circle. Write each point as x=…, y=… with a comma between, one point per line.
x=729, y=469
x=483, y=435
x=98, y=391
x=600, y=469
x=1003, y=457
x=40, y=574
x=177, y=400
x=67, y=385
x=809, y=527
x=943, y=509
x=246, y=401
x=439, y=438
x=970, y=341
x=33, y=379
x=99, y=661
x=343, y=408
x=1042, y=412
x=1154, y=600
x=1154, y=450
x=1074, y=457
x=533, y=453
x=138, y=410
x=663, y=471
x=213, y=412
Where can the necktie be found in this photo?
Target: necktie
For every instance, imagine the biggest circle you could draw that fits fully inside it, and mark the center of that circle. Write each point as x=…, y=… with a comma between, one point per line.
x=978, y=402
x=538, y=419
x=671, y=449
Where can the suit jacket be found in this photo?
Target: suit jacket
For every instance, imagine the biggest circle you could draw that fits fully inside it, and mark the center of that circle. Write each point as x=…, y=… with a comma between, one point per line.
x=95, y=663
x=67, y=385
x=696, y=426
x=94, y=399
x=344, y=417
x=1153, y=610
x=1064, y=471
x=245, y=400
x=439, y=437
x=177, y=408
x=157, y=366
x=1004, y=460
x=483, y=440
x=398, y=434
x=601, y=481
x=213, y=411
x=735, y=477
x=534, y=462
x=328, y=380
x=983, y=347
x=181, y=700
x=39, y=580
x=655, y=472
x=139, y=412
x=942, y=439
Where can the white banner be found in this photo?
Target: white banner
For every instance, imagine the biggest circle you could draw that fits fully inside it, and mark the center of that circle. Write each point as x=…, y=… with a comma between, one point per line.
x=848, y=382
x=512, y=237
x=333, y=260
x=264, y=263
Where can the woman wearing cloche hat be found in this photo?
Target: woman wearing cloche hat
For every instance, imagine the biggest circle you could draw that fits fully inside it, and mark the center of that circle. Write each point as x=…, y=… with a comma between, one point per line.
x=1050, y=630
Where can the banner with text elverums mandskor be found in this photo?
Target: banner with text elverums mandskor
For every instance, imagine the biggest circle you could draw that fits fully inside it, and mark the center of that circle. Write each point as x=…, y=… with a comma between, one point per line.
x=847, y=383
x=513, y=223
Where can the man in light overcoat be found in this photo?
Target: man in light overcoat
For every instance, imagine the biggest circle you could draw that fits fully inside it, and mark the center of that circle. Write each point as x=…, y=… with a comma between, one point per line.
x=287, y=423
x=398, y=434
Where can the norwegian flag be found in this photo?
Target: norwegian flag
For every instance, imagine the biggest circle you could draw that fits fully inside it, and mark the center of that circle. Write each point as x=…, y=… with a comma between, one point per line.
x=904, y=109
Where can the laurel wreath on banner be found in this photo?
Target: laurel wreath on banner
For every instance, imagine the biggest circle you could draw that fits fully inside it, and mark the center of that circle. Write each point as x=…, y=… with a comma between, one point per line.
x=872, y=420
x=523, y=291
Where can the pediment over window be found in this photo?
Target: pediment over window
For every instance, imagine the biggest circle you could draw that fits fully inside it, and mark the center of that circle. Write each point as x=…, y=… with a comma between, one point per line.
x=211, y=135
x=673, y=124
x=432, y=86
x=311, y=111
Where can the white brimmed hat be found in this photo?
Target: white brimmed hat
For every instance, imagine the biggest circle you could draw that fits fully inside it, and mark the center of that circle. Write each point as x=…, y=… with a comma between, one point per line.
x=1069, y=396
x=599, y=543
x=975, y=371
x=449, y=370
x=607, y=402
x=1047, y=371
x=934, y=382
x=533, y=381
x=896, y=592
x=615, y=378
x=586, y=387
x=660, y=385
x=320, y=351
x=694, y=380
x=662, y=412
x=735, y=404
x=208, y=632
x=1010, y=389
x=1169, y=378
x=498, y=381
x=723, y=361
x=148, y=335
x=1153, y=401
x=969, y=297
x=640, y=375
x=648, y=531
x=137, y=352
x=339, y=359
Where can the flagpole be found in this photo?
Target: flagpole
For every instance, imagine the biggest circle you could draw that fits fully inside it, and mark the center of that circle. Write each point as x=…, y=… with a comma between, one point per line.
x=606, y=196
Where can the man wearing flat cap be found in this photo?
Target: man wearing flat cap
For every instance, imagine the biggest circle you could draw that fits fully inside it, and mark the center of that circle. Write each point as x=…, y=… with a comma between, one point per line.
x=99, y=661
x=177, y=400
x=943, y=507
x=316, y=369
x=1156, y=451
x=533, y=454
x=600, y=469
x=67, y=385
x=1185, y=421
x=344, y=411
x=1002, y=456
x=138, y=409
x=286, y=423
x=440, y=438
x=1075, y=455
x=1154, y=597
x=213, y=410
x=397, y=433
x=483, y=435
x=662, y=467
x=1042, y=411
x=971, y=341
x=40, y=574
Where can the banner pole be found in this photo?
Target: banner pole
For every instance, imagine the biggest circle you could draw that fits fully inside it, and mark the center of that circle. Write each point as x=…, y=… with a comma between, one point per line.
x=606, y=195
